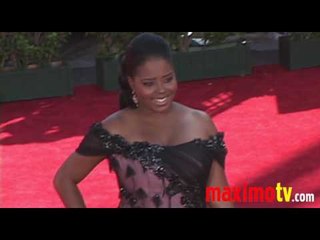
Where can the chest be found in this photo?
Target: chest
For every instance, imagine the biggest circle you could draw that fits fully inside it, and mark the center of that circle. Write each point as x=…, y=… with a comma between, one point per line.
x=165, y=133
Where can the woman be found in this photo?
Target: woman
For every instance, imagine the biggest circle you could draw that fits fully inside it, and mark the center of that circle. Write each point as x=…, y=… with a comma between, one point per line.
x=163, y=153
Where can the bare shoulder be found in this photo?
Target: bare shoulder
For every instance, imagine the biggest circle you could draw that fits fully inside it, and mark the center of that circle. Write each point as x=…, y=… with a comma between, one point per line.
x=115, y=122
x=202, y=119
x=205, y=120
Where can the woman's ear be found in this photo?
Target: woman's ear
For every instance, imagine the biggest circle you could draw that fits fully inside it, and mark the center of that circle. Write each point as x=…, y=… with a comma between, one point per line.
x=131, y=82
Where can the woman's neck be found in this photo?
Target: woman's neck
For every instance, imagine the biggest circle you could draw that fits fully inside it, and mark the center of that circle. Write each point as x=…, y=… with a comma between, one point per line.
x=153, y=116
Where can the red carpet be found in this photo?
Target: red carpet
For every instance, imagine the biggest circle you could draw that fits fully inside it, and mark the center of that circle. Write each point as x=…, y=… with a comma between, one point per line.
x=271, y=122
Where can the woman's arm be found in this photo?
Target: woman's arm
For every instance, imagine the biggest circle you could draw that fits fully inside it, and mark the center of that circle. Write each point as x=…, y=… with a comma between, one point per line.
x=72, y=172
x=217, y=179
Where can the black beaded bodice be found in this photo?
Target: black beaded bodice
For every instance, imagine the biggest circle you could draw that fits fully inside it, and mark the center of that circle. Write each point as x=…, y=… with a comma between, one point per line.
x=152, y=175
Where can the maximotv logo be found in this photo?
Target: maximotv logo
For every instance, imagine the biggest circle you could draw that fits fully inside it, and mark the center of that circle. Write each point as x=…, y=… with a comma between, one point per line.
x=255, y=194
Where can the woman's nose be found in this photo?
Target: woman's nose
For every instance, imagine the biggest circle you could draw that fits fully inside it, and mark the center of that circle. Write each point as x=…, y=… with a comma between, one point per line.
x=160, y=87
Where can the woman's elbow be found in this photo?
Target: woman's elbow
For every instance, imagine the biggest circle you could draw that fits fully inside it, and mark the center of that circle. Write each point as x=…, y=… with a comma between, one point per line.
x=60, y=180
x=57, y=181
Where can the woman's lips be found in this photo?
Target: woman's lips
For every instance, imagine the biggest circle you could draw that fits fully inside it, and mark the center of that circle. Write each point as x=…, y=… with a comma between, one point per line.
x=161, y=101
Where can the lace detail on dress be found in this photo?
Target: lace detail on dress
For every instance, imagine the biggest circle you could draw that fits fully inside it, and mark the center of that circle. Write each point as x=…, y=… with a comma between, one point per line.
x=215, y=146
x=149, y=157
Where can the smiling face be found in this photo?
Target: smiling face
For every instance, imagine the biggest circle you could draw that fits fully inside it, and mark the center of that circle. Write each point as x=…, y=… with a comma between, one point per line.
x=155, y=85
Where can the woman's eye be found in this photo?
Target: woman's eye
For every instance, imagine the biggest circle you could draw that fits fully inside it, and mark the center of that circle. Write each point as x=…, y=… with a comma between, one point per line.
x=148, y=84
x=169, y=79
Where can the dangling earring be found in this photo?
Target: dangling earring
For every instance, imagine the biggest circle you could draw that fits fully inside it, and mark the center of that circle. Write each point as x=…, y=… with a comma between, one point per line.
x=135, y=99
